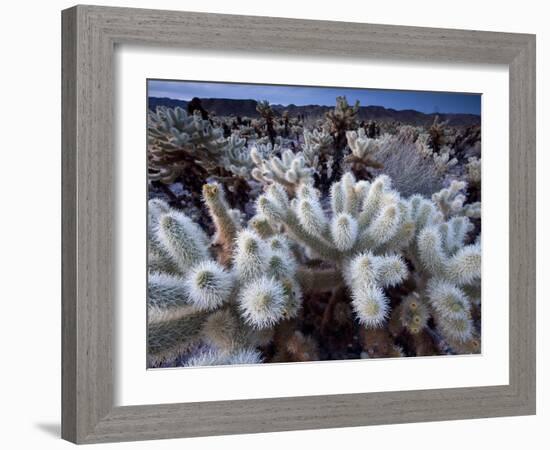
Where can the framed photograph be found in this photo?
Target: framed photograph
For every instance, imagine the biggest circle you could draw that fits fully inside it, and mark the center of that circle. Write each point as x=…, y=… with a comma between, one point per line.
x=268, y=230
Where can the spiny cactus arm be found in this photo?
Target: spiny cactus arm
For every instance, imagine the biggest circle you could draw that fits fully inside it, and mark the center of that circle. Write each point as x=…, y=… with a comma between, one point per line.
x=385, y=225
x=343, y=116
x=265, y=110
x=209, y=285
x=260, y=224
x=245, y=356
x=316, y=144
x=361, y=190
x=269, y=170
x=262, y=302
x=358, y=142
x=168, y=337
x=366, y=269
x=442, y=253
x=362, y=148
x=473, y=168
x=424, y=213
x=311, y=217
x=373, y=199
x=250, y=256
x=222, y=329
x=215, y=357
x=451, y=310
x=388, y=227
x=236, y=157
x=279, y=197
x=465, y=266
x=226, y=330
x=290, y=220
x=337, y=200
x=289, y=171
x=371, y=305
x=280, y=167
x=390, y=270
x=422, y=145
x=457, y=229
x=365, y=275
x=166, y=292
x=460, y=330
x=430, y=251
x=319, y=246
x=443, y=161
x=472, y=210
x=344, y=231
x=226, y=226
x=350, y=196
x=182, y=239
x=280, y=243
x=447, y=299
x=293, y=297
x=404, y=234
x=166, y=175
x=156, y=207
x=158, y=260
x=176, y=130
x=298, y=171
x=206, y=358
x=281, y=265
x=451, y=201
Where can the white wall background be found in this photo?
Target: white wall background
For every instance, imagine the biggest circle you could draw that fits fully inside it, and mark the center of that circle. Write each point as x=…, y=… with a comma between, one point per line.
x=30, y=225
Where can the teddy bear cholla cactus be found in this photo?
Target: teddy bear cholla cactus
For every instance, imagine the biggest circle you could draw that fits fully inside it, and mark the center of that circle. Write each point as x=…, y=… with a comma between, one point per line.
x=344, y=116
x=363, y=149
x=179, y=141
x=369, y=231
x=474, y=171
x=193, y=298
x=443, y=160
x=289, y=170
x=367, y=226
x=447, y=270
x=239, y=296
x=338, y=121
x=317, y=149
x=268, y=115
x=451, y=201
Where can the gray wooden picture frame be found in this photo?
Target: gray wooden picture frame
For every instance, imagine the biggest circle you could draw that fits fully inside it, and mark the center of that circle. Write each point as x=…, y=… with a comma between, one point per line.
x=90, y=34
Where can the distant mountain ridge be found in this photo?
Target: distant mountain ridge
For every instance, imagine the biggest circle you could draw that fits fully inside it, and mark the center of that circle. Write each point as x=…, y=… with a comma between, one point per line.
x=225, y=107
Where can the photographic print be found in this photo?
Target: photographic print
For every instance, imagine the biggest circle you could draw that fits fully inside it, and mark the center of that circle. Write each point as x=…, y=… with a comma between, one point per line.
x=290, y=224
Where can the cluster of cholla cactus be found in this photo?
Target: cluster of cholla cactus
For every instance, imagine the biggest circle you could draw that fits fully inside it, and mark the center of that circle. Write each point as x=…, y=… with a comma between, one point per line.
x=339, y=121
x=268, y=117
x=227, y=292
x=362, y=157
x=179, y=142
x=186, y=147
x=232, y=296
x=347, y=244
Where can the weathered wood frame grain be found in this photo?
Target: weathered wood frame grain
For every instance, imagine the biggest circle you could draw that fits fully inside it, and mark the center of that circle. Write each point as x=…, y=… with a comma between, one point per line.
x=90, y=34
